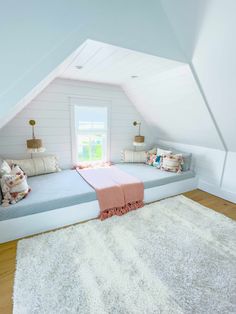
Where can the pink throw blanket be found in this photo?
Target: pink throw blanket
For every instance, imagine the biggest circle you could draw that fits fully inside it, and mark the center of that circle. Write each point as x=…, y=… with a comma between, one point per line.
x=117, y=191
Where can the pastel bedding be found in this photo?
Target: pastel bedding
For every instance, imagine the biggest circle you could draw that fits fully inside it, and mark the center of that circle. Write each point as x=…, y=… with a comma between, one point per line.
x=117, y=191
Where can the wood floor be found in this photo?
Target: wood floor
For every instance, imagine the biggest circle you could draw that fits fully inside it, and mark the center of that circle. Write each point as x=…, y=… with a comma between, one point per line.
x=218, y=204
x=8, y=250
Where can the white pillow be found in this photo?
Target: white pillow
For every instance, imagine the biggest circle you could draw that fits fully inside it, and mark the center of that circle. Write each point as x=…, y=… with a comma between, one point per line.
x=37, y=166
x=133, y=156
x=153, y=150
x=4, y=168
x=161, y=152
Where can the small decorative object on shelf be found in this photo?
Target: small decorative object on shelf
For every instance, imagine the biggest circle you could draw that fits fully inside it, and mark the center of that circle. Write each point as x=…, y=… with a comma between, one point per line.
x=138, y=139
x=34, y=145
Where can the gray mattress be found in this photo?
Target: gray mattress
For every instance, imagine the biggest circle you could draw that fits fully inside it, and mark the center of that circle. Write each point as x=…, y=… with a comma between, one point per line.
x=51, y=191
x=67, y=188
x=152, y=176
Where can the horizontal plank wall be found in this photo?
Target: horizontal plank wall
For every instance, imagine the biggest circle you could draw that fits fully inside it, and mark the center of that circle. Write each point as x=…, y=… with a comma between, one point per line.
x=51, y=110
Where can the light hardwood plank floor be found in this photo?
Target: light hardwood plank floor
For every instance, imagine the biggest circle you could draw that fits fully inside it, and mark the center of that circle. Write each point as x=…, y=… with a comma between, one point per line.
x=8, y=250
x=216, y=203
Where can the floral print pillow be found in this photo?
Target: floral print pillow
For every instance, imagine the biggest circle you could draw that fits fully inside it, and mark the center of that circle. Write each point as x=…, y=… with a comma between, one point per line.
x=14, y=186
x=150, y=158
x=153, y=160
x=172, y=163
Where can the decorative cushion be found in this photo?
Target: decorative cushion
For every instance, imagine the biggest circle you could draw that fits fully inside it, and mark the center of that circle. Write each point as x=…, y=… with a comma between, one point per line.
x=187, y=158
x=133, y=156
x=157, y=162
x=4, y=168
x=14, y=186
x=172, y=162
x=161, y=152
x=2, y=171
x=37, y=166
x=154, y=156
x=150, y=158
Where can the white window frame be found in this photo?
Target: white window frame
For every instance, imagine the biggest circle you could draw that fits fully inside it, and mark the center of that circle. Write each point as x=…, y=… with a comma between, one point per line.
x=89, y=102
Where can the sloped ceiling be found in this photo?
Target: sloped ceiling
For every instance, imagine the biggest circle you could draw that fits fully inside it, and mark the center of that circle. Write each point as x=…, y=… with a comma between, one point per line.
x=206, y=31
x=172, y=103
x=167, y=94
x=104, y=63
x=37, y=36
x=164, y=91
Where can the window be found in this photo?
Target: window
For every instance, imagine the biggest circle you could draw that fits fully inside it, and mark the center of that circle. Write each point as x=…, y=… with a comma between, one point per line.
x=91, y=125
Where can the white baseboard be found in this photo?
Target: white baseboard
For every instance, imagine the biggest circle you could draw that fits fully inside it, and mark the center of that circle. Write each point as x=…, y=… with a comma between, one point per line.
x=216, y=190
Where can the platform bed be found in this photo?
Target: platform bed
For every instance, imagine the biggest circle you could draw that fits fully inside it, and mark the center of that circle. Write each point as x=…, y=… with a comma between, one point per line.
x=64, y=198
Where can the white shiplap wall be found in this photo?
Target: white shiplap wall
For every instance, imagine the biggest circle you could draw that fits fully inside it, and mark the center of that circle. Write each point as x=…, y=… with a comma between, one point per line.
x=206, y=162
x=51, y=110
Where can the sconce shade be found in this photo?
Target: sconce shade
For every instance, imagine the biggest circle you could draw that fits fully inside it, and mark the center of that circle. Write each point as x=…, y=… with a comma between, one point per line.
x=34, y=143
x=139, y=139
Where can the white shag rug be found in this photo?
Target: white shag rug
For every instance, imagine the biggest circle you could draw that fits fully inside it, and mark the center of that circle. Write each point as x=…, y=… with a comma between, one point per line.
x=172, y=256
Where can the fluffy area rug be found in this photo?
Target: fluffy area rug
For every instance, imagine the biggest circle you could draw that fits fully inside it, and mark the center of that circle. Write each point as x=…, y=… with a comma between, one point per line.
x=172, y=256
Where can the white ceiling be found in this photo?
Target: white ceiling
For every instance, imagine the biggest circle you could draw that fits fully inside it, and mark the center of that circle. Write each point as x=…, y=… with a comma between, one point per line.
x=105, y=63
x=165, y=92
x=172, y=103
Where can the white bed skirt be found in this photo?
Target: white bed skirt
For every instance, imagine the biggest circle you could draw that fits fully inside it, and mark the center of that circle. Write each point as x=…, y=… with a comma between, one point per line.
x=17, y=228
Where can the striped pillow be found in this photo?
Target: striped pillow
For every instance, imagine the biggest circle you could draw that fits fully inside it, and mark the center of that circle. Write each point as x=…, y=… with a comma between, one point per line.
x=133, y=156
x=36, y=166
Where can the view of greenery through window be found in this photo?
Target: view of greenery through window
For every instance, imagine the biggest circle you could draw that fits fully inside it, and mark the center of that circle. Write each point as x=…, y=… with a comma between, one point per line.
x=90, y=147
x=91, y=131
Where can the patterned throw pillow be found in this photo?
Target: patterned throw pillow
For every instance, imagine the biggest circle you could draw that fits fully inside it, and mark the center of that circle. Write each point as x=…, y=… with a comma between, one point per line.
x=157, y=162
x=4, y=169
x=172, y=162
x=150, y=158
x=14, y=186
x=154, y=158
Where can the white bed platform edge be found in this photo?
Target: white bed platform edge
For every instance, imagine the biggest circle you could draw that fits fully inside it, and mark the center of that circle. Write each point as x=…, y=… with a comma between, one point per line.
x=21, y=227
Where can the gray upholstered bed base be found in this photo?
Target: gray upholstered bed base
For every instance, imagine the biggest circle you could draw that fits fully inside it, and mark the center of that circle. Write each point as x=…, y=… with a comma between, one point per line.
x=64, y=198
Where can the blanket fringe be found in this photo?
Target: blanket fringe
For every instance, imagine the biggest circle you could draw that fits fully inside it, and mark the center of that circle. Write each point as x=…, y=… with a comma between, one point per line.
x=119, y=211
